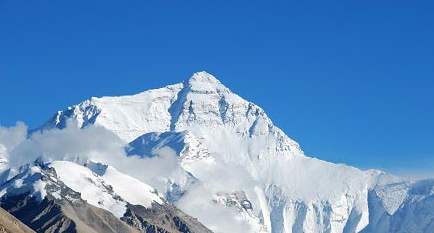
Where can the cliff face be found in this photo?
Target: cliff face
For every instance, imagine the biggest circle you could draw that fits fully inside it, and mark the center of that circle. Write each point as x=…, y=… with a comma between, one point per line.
x=10, y=224
x=162, y=218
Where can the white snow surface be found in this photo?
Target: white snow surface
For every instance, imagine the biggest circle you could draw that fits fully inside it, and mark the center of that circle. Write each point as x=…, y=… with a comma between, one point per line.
x=110, y=190
x=27, y=181
x=131, y=189
x=235, y=156
x=93, y=188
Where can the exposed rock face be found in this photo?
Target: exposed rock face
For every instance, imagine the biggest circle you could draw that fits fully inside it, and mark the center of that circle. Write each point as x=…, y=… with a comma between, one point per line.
x=162, y=218
x=10, y=224
x=64, y=216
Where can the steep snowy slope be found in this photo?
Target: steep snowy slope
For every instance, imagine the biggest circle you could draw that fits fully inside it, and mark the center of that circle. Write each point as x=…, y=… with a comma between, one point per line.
x=237, y=171
x=402, y=207
x=128, y=117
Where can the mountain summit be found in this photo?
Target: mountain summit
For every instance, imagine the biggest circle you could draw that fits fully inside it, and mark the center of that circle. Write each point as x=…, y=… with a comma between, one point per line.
x=221, y=159
x=200, y=101
x=203, y=77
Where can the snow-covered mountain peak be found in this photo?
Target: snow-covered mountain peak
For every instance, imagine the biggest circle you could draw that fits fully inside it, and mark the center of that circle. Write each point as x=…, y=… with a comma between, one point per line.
x=203, y=83
x=218, y=146
x=196, y=104
x=204, y=78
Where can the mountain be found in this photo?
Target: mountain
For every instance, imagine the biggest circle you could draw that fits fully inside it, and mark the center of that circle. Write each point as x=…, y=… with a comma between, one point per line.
x=220, y=159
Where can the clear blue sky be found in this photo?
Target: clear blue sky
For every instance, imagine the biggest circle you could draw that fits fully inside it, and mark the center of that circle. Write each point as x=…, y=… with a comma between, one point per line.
x=351, y=81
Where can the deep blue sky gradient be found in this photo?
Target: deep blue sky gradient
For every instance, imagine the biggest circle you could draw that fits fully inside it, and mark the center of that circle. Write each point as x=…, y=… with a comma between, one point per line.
x=351, y=81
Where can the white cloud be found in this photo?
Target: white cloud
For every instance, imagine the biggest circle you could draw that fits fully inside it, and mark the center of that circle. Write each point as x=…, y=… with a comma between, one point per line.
x=70, y=143
x=91, y=143
x=98, y=144
x=10, y=137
